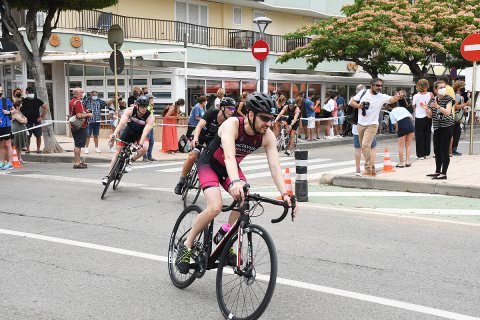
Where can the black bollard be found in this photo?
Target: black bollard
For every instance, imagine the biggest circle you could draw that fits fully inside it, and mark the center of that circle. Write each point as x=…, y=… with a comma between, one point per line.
x=301, y=183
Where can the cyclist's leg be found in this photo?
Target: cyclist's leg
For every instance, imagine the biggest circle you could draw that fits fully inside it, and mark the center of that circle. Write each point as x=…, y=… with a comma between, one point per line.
x=187, y=166
x=292, y=137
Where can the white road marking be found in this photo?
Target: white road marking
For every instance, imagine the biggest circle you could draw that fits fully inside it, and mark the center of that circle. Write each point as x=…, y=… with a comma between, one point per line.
x=288, y=282
x=363, y=194
x=71, y=179
x=432, y=211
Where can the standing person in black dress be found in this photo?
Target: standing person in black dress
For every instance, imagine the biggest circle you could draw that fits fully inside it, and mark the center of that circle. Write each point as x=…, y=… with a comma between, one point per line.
x=440, y=110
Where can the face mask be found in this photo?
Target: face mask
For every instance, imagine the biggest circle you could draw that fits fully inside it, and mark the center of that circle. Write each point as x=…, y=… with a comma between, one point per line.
x=94, y=97
x=18, y=95
x=442, y=91
x=30, y=96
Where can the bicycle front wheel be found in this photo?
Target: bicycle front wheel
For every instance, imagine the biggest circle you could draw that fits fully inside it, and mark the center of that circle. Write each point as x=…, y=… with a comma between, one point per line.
x=179, y=234
x=112, y=176
x=119, y=174
x=192, y=189
x=245, y=292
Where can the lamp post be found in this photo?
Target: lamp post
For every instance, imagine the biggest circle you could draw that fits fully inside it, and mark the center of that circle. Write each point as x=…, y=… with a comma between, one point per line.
x=262, y=23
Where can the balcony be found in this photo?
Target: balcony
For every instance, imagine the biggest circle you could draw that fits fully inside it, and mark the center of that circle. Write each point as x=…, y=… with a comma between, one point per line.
x=98, y=22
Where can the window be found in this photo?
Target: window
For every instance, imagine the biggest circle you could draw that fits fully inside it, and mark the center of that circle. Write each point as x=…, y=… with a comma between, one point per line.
x=94, y=71
x=75, y=70
x=120, y=82
x=161, y=82
x=237, y=16
x=138, y=82
x=315, y=89
x=232, y=89
x=162, y=95
x=191, y=13
x=95, y=83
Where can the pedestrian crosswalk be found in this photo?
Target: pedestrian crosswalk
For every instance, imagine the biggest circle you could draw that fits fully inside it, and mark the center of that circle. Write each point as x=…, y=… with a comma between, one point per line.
x=256, y=167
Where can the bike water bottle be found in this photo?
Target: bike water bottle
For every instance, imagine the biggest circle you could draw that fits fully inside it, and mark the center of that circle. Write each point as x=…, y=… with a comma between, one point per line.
x=221, y=233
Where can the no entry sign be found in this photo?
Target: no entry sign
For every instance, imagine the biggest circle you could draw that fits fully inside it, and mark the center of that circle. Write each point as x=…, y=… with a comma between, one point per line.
x=470, y=47
x=260, y=50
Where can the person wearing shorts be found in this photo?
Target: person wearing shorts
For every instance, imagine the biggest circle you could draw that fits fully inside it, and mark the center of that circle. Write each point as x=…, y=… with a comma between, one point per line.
x=293, y=111
x=219, y=166
x=358, y=150
x=6, y=108
x=403, y=121
x=30, y=108
x=77, y=108
x=204, y=133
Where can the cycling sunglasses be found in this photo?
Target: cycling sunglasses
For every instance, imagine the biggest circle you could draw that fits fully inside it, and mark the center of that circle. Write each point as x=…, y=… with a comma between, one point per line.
x=265, y=118
x=231, y=108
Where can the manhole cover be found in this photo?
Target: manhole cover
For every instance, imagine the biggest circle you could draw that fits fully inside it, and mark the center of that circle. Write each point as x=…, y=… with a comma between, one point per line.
x=19, y=173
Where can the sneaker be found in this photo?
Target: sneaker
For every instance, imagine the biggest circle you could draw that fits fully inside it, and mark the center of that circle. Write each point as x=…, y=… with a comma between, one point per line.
x=299, y=140
x=2, y=165
x=152, y=159
x=128, y=168
x=7, y=166
x=456, y=153
x=329, y=138
x=232, y=258
x=85, y=150
x=316, y=139
x=288, y=153
x=145, y=159
x=179, y=187
x=358, y=173
x=183, y=258
x=97, y=150
x=105, y=180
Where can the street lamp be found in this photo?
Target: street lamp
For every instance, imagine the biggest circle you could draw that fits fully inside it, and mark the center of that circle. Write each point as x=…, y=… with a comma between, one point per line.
x=262, y=23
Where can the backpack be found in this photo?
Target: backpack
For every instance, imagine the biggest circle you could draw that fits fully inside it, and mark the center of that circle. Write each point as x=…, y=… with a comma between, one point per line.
x=184, y=144
x=351, y=113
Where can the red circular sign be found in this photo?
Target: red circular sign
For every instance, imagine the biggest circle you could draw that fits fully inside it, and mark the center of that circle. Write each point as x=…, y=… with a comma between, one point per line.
x=470, y=47
x=260, y=49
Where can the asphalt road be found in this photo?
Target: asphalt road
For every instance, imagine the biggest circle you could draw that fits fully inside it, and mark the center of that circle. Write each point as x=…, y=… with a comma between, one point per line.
x=66, y=254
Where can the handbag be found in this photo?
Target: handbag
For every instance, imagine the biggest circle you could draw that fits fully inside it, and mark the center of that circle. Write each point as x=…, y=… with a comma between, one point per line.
x=75, y=123
x=351, y=113
x=458, y=116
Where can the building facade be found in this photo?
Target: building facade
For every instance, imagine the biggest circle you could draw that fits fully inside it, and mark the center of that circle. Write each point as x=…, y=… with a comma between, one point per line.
x=183, y=48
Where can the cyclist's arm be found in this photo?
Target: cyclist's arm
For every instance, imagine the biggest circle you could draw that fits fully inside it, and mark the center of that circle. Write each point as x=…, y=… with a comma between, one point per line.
x=123, y=120
x=147, y=129
x=228, y=134
x=295, y=117
x=198, y=129
x=281, y=113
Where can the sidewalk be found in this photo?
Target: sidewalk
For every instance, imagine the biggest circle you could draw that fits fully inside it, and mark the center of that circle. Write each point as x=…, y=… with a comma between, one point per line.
x=463, y=178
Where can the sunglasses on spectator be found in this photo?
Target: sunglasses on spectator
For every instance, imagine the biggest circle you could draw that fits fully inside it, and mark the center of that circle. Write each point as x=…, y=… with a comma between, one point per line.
x=265, y=118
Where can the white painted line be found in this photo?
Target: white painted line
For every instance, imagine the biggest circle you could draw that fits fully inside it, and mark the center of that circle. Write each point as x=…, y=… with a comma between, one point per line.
x=152, y=165
x=259, y=50
x=471, y=47
x=428, y=211
x=72, y=179
x=363, y=194
x=288, y=282
x=311, y=167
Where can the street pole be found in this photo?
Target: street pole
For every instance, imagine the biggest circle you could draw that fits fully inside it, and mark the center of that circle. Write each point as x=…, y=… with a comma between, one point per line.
x=472, y=108
x=262, y=69
x=185, y=36
x=115, y=74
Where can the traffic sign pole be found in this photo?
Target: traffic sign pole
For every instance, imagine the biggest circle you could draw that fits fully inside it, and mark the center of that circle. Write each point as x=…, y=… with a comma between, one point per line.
x=115, y=73
x=472, y=108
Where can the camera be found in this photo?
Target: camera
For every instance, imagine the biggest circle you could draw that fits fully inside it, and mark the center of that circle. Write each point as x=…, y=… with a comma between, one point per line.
x=365, y=105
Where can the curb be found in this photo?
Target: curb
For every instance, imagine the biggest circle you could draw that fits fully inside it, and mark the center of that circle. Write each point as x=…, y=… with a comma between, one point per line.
x=440, y=188
x=61, y=158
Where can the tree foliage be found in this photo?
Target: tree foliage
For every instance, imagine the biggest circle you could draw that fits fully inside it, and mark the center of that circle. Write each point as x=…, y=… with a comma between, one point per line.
x=33, y=52
x=374, y=32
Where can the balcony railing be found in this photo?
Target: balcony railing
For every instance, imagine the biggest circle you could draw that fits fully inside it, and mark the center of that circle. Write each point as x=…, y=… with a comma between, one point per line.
x=98, y=22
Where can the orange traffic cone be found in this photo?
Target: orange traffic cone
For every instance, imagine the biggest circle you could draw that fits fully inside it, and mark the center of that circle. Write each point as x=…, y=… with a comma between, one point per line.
x=387, y=164
x=288, y=183
x=15, y=162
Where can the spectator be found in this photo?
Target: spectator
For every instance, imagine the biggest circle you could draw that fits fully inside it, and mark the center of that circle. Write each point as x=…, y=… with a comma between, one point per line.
x=318, y=106
x=196, y=115
x=145, y=91
x=95, y=106
x=402, y=118
x=31, y=106
x=169, y=129
x=18, y=126
x=370, y=106
x=17, y=95
x=423, y=124
x=115, y=113
x=440, y=110
x=135, y=94
x=356, y=141
x=77, y=108
x=303, y=123
x=242, y=109
x=220, y=95
x=460, y=104
x=5, y=132
x=329, y=107
x=310, y=112
x=151, y=136
x=338, y=123
x=280, y=104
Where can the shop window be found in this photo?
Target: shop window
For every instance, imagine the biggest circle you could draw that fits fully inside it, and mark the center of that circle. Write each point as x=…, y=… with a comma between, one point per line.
x=299, y=89
x=232, y=89
x=137, y=71
x=213, y=86
x=111, y=82
x=315, y=89
x=161, y=82
x=94, y=71
x=75, y=70
x=7, y=70
x=95, y=83
x=249, y=86
x=138, y=82
x=162, y=95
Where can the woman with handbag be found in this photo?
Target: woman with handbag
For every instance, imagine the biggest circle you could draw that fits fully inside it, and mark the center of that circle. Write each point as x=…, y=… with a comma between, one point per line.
x=78, y=125
x=169, y=128
x=440, y=110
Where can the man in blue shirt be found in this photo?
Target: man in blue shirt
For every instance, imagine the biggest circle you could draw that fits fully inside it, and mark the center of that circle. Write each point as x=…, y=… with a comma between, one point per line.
x=310, y=112
x=95, y=105
x=196, y=115
x=6, y=107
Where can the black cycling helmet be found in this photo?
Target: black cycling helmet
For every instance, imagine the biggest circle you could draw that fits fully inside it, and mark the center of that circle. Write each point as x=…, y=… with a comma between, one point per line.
x=290, y=101
x=228, y=102
x=260, y=102
x=142, y=101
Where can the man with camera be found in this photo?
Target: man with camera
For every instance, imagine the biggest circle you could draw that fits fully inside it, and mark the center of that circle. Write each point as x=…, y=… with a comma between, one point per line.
x=370, y=102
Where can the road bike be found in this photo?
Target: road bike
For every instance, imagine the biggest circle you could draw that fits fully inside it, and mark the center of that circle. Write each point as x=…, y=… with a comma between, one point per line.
x=283, y=138
x=118, y=169
x=191, y=188
x=245, y=287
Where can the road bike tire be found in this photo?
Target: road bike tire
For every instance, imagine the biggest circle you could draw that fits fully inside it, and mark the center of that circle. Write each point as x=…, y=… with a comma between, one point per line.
x=230, y=286
x=111, y=177
x=192, y=189
x=179, y=234
x=120, y=173
x=279, y=143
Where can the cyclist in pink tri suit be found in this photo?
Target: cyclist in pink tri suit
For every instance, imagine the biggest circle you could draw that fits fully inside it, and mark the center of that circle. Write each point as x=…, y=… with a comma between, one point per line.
x=219, y=166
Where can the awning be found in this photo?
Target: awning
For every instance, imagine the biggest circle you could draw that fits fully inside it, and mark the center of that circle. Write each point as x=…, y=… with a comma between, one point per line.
x=106, y=55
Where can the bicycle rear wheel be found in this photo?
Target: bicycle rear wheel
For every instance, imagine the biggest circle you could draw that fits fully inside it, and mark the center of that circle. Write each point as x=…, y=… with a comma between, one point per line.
x=112, y=176
x=192, y=189
x=279, y=142
x=179, y=234
x=246, y=293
